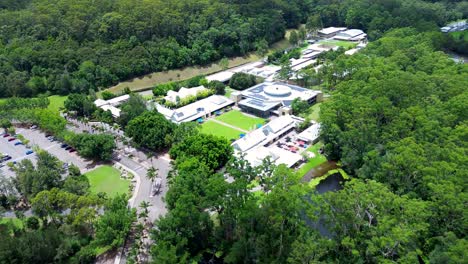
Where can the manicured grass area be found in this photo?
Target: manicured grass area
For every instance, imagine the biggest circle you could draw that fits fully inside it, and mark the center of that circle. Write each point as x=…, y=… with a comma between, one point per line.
x=339, y=43
x=56, y=102
x=313, y=112
x=240, y=120
x=213, y=128
x=313, y=162
x=107, y=179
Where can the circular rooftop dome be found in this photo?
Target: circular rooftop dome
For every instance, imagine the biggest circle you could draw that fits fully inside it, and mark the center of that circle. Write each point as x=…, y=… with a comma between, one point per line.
x=277, y=90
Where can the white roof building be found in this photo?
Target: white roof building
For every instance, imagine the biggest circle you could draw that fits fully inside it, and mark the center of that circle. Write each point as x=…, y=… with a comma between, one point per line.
x=118, y=100
x=111, y=104
x=331, y=31
x=351, y=51
x=223, y=76
x=253, y=145
x=198, y=109
x=311, y=134
x=114, y=110
x=351, y=35
x=277, y=155
x=183, y=93
x=265, y=134
x=100, y=102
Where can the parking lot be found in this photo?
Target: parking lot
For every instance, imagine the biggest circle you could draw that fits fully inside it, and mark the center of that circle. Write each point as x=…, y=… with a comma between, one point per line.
x=37, y=138
x=16, y=152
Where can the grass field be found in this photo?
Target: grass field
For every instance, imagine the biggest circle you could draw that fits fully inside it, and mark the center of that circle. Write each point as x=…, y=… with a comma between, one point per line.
x=107, y=179
x=313, y=162
x=339, y=43
x=56, y=102
x=313, y=112
x=213, y=128
x=240, y=120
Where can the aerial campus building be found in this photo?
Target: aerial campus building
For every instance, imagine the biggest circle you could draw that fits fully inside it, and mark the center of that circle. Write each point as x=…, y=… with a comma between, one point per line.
x=200, y=109
x=111, y=104
x=273, y=98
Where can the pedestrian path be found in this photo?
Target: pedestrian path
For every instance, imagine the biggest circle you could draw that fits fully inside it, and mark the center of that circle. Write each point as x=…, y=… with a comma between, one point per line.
x=228, y=125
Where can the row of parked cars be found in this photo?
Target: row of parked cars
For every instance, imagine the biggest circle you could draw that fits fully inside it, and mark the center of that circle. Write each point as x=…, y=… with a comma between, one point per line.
x=64, y=145
x=6, y=157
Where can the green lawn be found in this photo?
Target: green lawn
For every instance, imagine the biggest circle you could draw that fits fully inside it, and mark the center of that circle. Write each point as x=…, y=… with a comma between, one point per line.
x=107, y=179
x=339, y=43
x=313, y=112
x=213, y=128
x=240, y=120
x=56, y=102
x=313, y=162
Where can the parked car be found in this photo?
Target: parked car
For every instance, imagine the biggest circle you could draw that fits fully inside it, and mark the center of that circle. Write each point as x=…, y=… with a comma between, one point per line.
x=157, y=186
x=64, y=145
x=68, y=148
x=72, y=150
x=11, y=139
x=28, y=152
x=33, y=127
x=48, y=135
x=18, y=143
x=6, y=135
x=6, y=158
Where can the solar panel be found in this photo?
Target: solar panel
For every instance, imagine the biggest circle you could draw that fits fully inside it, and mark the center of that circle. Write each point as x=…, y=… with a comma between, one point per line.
x=256, y=102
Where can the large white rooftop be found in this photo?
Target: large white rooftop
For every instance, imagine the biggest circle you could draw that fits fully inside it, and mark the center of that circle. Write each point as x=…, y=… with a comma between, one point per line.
x=265, y=134
x=277, y=155
x=183, y=93
x=311, y=134
x=195, y=110
x=331, y=30
x=223, y=76
x=267, y=95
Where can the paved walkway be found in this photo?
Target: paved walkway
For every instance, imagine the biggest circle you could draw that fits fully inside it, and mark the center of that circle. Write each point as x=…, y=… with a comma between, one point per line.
x=228, y=125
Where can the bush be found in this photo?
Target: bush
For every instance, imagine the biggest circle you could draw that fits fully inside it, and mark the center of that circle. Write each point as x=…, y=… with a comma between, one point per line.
x=106, y=95
x=218, y=87
x=242, y=81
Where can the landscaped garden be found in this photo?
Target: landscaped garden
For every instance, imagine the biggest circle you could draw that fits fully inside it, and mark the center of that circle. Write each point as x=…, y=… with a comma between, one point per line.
x=238, y=119
x=213, y=128
x=107, y=179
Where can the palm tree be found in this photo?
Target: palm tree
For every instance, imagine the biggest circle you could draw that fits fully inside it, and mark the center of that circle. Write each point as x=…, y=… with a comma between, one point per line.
x=144, y=206
x=152, y=173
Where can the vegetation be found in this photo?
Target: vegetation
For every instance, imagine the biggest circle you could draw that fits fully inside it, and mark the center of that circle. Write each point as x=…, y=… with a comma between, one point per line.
x=242, y=81
x=397, y=118
x=94, y=146
x=151, y=130
x=50, y=236
x=210, y=150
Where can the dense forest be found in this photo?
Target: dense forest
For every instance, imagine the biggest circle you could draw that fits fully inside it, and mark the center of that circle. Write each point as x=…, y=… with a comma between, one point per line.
x=76, y=45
